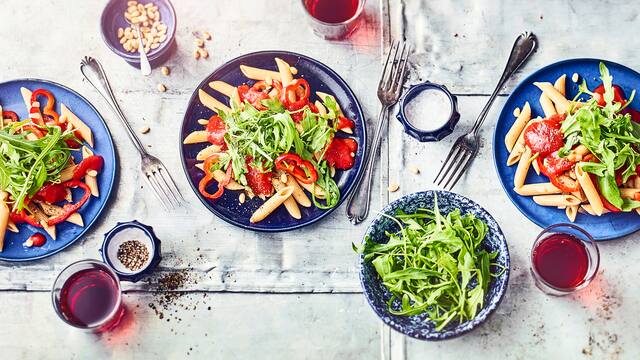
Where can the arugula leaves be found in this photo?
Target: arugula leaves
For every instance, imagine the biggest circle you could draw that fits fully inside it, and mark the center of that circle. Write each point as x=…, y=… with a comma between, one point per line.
x=610, y=135
x=26, y=165
x=434, y=264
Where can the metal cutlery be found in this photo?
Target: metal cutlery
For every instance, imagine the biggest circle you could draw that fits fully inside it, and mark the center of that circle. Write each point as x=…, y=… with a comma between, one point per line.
x=466, y=147
x=389, y=89
x=155, y=173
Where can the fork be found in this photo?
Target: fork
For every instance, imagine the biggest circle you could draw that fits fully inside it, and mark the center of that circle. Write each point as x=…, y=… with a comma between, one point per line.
x=466, y=147
x=389, y=89
x=155, y=173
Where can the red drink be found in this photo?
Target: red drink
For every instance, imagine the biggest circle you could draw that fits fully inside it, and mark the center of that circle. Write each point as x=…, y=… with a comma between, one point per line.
x=89, y=297
x=332, y=11
x=561, y=260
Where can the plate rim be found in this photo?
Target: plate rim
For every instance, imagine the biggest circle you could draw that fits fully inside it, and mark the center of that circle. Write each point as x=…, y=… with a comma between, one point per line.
x=495, y=140
x=111, y=179
x=491, y=307
x=364, y=145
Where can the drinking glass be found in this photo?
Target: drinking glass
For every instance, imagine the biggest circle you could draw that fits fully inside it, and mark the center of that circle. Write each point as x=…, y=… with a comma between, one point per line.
x=333, y=30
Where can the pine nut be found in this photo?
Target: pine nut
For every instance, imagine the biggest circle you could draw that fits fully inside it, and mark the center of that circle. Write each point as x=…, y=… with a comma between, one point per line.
x=393, y=187
x=196, y=54
x=144, y=130
x=162, y=88
x=204, y=53
x=165, y=71
x=155, y=45
x=198, y=42
x=120, y=32
x=241, y=198
x=206, y=35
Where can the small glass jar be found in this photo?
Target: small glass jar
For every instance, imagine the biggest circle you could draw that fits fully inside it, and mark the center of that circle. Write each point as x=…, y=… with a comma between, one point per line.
x=329, y=30
x=574, y=240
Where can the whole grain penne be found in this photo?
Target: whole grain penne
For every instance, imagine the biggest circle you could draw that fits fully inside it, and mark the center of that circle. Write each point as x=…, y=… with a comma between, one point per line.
x=285, y=72
x=219, y=175
x=271, y=204
x=196, y=137
x=92, y=182
x=522, y=169
x=4, y=216
x=67, y=173
x=518, y=149
x=208, y=151
x=561, y=103
x=589, y=190
x=255, y=73
x=290, y=204
x=560, y=85
x=572, y=212
x=589, y=210
x=212, y=103
x=556, y=200
x=537, y=189
x=298, y=193
x=547, y=106
x=79, y=125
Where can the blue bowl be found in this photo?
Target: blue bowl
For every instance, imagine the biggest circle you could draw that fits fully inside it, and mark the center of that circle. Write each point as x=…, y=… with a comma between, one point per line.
x=113, y=18
x=419, y=326
x=320, y=78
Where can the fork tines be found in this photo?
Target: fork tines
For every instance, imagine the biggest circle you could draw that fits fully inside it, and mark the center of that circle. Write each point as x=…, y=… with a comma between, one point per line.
x=164, y=188
x=455, y=164
x=392, y=77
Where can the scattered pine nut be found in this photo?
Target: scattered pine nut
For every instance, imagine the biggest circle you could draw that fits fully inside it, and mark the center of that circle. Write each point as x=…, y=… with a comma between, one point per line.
x=293, y=70
x=516, y=112
x=199, y=42
x=165, y=71
x=204, y=53
x=144, y=130
x=206, y=35
x=283, y=178
x=393, y=187
x=196, y=54
x=414, y=169
x=162, y=88
x=575, y=77
x=242, y=198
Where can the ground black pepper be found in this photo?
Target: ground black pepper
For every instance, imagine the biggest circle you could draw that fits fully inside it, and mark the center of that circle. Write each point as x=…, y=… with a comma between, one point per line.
x=133, y=254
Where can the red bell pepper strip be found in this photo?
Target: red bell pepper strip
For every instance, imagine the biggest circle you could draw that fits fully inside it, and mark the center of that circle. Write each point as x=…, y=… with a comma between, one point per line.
x=299, y=90
x=52, y=193
x=23, y=217
x=35, y=130
x=216, y=129
x=565, y=183
x=10, y=115
x=49, y=107
x=618, y=95
x=70, y=209
x=208, y=176
x=302, y=170
x=93, y=162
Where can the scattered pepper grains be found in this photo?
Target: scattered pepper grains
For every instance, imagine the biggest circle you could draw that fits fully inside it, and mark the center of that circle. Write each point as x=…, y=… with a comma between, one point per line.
x=133, y=254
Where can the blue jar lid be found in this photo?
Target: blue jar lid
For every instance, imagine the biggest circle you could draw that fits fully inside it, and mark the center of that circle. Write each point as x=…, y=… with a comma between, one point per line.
x=428, y=135
x=126, y=231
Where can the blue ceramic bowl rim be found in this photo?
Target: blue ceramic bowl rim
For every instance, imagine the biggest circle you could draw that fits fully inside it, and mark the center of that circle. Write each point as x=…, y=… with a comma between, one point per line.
x=521, y=84
x=111, y=178
x=108, y=236
x=481, y=317
x=364, y=145
x=134, y=57
x=413, y=91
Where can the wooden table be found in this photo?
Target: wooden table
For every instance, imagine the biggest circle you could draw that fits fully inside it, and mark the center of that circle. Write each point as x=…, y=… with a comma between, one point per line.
x=296, y=294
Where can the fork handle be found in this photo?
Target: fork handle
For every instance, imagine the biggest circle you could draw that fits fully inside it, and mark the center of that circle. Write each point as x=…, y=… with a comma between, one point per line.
x=100, y=82
x=359, y=202
x=523, y=47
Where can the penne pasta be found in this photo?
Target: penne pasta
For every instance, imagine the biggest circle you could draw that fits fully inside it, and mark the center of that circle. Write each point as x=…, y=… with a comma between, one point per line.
x=11, y=226
x=522, y=169
x=286, y=77
x=561, y=103
x=77, y=124
x=43, y=220
x=572, y=212
x=627, y=193
x=290, y=204
x=67, y=173
x=323, y=96
x=224, y=88
x=589, y=191
x=270, y=205
x=313, y=189
x=589, y=210
x=298, y=193
x=547, y=106
x=196, y=137
x=537, y=189
x=86, y=152
x=76, y=219
x=556, y=200
x=219, y=175
x=26, y=97
x=534, y=163
x=4, y=216
x=254, y=73
x=92, y=182
x=321, y=109
x=212, y=103
x=208, y=151
x=518, y=126
x=560, y=85
x=518, y=149
x=578, y=153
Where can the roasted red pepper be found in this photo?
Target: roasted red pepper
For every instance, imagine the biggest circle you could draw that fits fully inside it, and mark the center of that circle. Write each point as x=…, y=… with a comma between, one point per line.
x=565, y=183
x=23, y=217
x=70, y=209
x=258, y=180
x=302, y=170
x=345, y=123
x=10, y=115
x=618, y=95
x=208, y=176
x=52, y=193
x=216, y=129
x=341, y=153
x=34, y=129
x=296, y=95
x=93, y=162
x=49, y=108
x=545, y=136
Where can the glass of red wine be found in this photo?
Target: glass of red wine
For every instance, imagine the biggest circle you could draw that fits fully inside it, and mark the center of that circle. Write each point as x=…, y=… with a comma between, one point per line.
x=334, y=19
x=87, y=295
x=564, y=259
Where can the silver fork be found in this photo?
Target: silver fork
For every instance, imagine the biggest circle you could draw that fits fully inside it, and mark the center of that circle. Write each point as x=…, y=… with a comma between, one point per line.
x=465, y=149
x=389, y=89
x=155, y=173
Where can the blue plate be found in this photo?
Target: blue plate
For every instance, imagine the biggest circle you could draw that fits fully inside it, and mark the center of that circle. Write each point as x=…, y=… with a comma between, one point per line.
x=67, y=234
x=320, y=78
x=419, y=326
x=606, y=227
